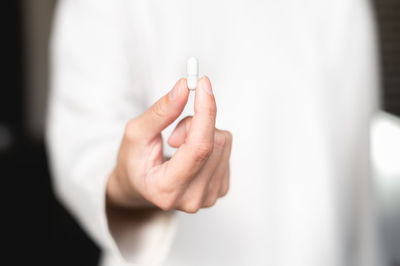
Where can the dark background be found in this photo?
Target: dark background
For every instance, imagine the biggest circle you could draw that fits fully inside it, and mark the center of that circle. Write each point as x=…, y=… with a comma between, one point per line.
x=388, y=18
x=42, y=232
x=41, y=227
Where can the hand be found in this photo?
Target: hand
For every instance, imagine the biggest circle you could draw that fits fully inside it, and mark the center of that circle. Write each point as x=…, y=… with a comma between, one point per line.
x=196, y=175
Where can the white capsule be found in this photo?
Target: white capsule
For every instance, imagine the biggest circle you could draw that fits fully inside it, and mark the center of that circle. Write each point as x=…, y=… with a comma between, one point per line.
x=192, y=72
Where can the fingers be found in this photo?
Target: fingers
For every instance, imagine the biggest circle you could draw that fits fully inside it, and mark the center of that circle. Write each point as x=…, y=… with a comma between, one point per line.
x=205, y=111
x=212, y=181
x=162, y=113
x=199, y=169
x=227, y=155
x=219, y=183
x=204, y=118
x=198, y=145
x=195, y=192
x=201, y=190
x=224, y=188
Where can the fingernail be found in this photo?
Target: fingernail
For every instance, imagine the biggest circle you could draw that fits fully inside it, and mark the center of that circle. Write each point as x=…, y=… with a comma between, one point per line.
x=206, y=84
x=174, y=92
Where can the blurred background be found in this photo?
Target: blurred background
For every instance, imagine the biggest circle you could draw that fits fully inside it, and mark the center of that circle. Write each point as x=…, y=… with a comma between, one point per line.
x=23, y=163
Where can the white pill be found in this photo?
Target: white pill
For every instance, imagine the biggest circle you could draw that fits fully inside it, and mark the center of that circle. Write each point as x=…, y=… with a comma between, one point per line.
x=192, y=72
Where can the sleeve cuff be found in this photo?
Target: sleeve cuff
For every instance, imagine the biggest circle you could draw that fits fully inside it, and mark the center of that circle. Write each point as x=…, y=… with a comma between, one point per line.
x=133, y=238
x=136, y=237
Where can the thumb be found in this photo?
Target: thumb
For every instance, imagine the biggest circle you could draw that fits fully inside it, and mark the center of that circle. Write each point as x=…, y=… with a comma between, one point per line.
x=163, y=112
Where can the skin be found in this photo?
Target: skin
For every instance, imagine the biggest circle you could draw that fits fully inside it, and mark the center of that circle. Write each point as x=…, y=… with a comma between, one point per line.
x=194, y=177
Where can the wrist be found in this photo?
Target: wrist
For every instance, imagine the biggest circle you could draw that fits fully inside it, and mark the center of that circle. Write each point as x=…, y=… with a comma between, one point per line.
x=120, y=193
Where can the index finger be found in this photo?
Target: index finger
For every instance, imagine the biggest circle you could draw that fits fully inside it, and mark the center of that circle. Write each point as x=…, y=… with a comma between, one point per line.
x=192, y=155
x=205, y=111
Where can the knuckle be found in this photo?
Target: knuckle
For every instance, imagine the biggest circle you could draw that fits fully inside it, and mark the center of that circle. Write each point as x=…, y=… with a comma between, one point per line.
x=225, y=189
x=228, y=136
x=165, y=196
x=210, y=202
x=159, y=110
x=219, y=139
x=203, y=151
x=192, y=206
x=166, y=203
x=131, y=129
x=163, y=187
x=165, y=206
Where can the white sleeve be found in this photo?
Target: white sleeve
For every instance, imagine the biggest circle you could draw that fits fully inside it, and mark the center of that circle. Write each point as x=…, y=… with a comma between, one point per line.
x=355, y=83
x=92, y=97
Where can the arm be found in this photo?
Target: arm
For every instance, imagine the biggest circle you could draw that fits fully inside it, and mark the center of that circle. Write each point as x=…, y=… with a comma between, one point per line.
x=91, y=100
x=121, y=191
x=354, y=78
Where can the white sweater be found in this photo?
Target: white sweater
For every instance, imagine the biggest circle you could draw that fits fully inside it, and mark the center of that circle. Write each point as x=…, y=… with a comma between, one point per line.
x=296, y=84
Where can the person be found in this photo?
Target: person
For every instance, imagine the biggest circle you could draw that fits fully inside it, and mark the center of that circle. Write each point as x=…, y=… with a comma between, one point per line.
x=295, y=84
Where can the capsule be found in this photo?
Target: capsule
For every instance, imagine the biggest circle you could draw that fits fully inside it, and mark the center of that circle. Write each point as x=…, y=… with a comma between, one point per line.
x=192, y=72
